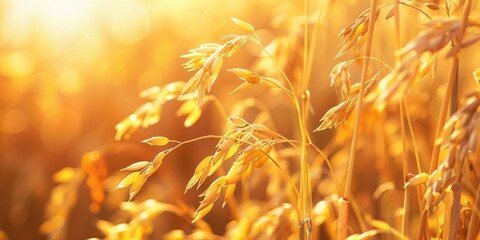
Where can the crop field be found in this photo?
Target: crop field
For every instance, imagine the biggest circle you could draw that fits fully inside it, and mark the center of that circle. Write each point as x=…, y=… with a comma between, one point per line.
x=222, y=119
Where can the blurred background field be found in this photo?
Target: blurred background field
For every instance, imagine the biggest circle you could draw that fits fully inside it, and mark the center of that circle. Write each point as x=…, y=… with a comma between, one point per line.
x=70, y=70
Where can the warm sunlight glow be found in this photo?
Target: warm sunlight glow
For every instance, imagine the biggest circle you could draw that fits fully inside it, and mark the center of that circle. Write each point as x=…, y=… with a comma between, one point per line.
x=129, y=21
x=64, y=14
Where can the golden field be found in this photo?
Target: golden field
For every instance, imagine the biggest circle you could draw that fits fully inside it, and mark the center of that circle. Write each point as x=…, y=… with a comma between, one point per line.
x=163, y=119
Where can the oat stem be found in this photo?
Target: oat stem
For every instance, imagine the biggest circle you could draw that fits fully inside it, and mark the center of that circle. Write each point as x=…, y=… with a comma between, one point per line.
x=343, y=218
x=305, y=195
x=402, y=108
x=474, y=219
x=414, y=142
x=445, y=103
x=407, y=193
x=305, y=201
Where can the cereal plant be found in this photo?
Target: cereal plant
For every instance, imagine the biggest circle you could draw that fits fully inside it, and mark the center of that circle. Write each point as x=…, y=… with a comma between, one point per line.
x=324, y=120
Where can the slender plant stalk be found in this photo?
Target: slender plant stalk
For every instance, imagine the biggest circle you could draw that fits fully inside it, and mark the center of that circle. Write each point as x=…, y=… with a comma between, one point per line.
x=343, y=218
x=305, y=203
x=305, y=196
x=475, y=218
x=452, y=212
x=414, y=142
x=407, y=194
x=445, y=103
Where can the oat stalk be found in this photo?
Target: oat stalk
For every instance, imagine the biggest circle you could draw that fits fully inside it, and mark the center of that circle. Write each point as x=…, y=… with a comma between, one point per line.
x=343, y=218
x=475, y=218
x=305, y=202
x=444, y=108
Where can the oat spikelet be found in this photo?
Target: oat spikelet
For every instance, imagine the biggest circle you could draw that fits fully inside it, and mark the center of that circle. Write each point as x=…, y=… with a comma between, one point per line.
x=253, y=144
x=149, y=113
x=250, y=79
x=286, y=48
x=277, y=223
x=417, y=56
x=353, y=34
x=140, y=172
x=62, y=199
x=340, y=78
x=94, y=166
x=142, y=220
x=208, y=60
x=459, y=138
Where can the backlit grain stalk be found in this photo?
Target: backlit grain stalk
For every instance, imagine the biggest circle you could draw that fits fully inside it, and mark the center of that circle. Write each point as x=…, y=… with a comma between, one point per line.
x=343, y=218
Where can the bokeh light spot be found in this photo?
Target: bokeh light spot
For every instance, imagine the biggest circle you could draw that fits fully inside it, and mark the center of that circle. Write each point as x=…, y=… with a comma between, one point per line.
x=60, y=128
x=17, y=64
x=69, y=82
x=129, y=21
x=14, y=121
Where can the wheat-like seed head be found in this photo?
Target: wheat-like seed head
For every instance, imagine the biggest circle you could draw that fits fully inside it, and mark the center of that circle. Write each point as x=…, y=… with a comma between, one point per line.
x=208, y=60
x=340, y=77
x=149, y=113
x=142, y=220
x=253, y=156
x=286, y=48
x=460, y=144
x=94, y=166
x=353, y=34
x=417, y=56
x=57, y=212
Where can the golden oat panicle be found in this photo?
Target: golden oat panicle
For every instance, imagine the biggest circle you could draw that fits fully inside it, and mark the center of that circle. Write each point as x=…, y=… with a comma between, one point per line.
x=340, y=78
x=353, y=35
x=94, y=166
x=149, y=113
x=140, y=172
x=417, y=56
x=208, y=61
x=460, y=139
x=58, y=212
x=254, y=155
x=142, y=216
